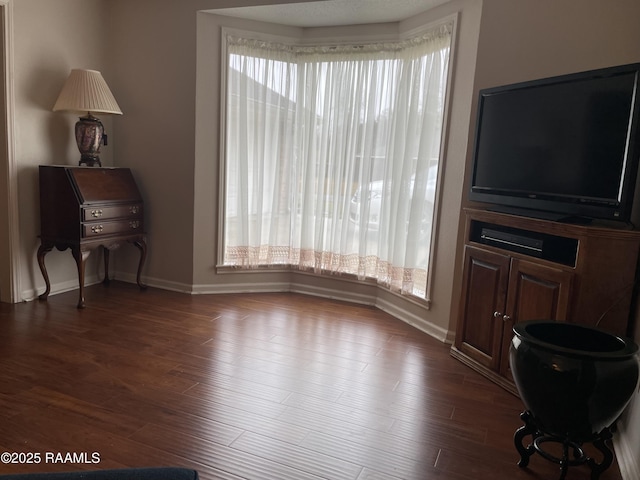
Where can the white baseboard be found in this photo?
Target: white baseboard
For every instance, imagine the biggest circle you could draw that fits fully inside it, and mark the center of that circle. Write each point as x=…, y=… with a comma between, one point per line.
x=342, y=295
x=345, y=295
x=58, y=287
x=272, y=287
x=206, y=289
x=153, y=282
x=394, y=309
x=435, y=331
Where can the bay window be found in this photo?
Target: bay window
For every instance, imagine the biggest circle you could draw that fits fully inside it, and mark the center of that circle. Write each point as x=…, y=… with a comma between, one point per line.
x=331, y=156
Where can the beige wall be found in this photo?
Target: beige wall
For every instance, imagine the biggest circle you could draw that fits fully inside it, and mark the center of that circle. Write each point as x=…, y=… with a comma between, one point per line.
x=154, y=64
x=50, y=38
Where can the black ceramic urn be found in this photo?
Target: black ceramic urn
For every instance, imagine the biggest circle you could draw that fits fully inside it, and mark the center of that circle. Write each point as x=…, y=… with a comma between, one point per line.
x=575, y=380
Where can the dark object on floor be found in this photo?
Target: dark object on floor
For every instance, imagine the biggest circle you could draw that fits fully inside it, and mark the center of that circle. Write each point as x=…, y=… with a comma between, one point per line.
x=574, y=381
x=159, y=473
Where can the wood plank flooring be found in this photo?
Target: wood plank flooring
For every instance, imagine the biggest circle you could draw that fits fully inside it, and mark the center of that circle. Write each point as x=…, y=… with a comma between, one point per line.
x=256, y=387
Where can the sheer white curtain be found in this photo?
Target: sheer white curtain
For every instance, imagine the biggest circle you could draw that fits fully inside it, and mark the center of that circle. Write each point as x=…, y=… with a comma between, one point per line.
x=332, y=156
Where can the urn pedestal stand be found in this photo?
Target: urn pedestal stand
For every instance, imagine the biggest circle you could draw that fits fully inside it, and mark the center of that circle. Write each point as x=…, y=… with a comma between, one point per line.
x=572, y=452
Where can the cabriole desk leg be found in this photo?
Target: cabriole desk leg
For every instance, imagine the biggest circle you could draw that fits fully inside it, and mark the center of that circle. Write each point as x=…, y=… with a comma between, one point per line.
x=142, y=246
x=42, y=251
x=81, y=259
x=105, y=253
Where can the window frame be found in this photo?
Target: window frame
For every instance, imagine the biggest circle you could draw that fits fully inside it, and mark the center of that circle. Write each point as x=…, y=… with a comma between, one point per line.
x=302, y=40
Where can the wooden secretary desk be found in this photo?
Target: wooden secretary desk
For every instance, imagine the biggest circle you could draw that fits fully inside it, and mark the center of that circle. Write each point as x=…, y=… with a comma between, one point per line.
x=83, y=208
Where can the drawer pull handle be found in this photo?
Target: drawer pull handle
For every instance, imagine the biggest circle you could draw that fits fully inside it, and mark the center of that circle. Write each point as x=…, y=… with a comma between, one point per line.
x=97, y=228
x=134, y=224
x=96, y=213
x=134, y=210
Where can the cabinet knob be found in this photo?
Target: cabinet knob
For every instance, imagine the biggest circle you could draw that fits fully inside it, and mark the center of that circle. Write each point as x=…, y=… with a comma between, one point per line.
x=497, y=314
x=96, y=213
x=97, y=228
x=506, y=318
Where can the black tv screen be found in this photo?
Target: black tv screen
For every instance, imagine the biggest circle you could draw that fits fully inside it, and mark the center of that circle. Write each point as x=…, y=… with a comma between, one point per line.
x=567, y=145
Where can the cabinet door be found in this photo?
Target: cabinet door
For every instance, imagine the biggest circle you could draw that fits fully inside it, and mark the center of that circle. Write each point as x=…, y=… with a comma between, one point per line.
x=536, y=292
x=483, y=301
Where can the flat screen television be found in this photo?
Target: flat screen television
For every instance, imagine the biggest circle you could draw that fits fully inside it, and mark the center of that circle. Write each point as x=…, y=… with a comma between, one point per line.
x=562, y=148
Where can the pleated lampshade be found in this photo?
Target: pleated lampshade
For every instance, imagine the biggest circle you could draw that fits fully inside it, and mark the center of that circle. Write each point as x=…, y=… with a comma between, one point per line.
x=86, y=91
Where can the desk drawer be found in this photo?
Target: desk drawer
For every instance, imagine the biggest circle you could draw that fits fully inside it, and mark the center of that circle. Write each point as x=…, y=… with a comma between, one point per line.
x=106, y=212
x=117, y=227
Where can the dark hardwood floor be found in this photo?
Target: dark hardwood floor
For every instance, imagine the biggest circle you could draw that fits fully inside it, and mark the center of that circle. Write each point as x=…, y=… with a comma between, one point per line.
x=253, y=386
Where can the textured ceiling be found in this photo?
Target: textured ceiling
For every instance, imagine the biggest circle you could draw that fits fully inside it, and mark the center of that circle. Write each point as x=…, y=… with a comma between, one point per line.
x=334, y=12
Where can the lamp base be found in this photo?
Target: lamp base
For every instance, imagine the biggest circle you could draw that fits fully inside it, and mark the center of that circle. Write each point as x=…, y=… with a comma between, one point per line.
x=89, y=136
x=90, y=162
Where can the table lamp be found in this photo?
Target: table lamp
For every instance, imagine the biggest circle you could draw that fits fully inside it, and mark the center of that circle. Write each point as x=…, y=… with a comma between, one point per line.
x=86, y=91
